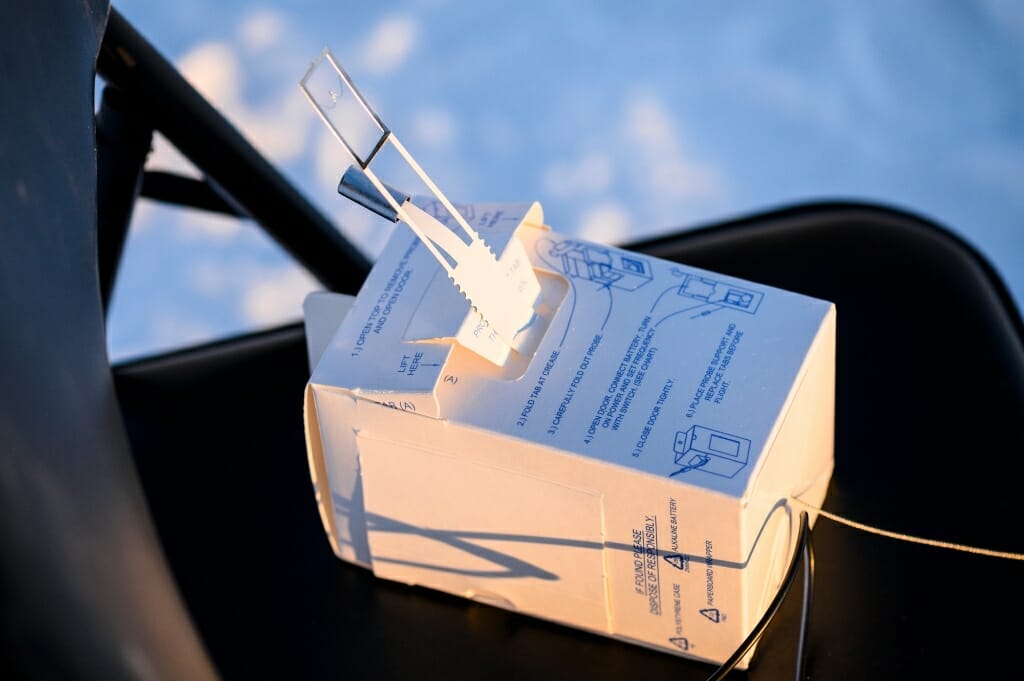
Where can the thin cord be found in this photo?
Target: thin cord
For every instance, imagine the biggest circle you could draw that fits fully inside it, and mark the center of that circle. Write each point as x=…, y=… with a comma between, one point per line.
x=805, y=549
x=805, y=608
x=1008, y=555
x=802, y=546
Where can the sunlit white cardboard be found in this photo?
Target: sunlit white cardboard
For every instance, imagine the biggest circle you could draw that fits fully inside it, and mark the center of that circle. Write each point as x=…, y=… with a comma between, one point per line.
x=631, y=477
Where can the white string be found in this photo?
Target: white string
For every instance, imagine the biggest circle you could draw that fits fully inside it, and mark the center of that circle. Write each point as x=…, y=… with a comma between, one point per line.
x=1009, y=555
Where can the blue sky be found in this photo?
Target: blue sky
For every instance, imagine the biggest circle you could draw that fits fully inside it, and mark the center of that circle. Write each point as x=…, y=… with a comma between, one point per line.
x=624, y=120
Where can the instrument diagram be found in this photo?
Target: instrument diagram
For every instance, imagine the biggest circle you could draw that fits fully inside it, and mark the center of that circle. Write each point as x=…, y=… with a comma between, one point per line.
x=605, y=266
x=710, y=451
x=596, y=269
x=701, y=295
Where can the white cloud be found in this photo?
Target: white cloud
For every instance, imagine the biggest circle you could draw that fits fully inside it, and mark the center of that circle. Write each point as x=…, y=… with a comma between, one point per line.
x=277, y=296
x=168, y=330
x=262, y=294
x=607, y=222
x=212, y=227
x=330, y=159
x=165, y=156
x=261, y=29
x=680, y=178
x=648, y=124
x=144, y=216
x=390, y=44
x=367, y=230
x=281, y=130
x=214, y=69
x=211, y=278
x=656, y=144
x=363, y=228
x=433, y=128
x=588, y=174
x=278, y=128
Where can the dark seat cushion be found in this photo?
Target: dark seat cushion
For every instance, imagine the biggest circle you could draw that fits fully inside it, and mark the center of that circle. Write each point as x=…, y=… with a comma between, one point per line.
x=84, y=588
x=930, y=382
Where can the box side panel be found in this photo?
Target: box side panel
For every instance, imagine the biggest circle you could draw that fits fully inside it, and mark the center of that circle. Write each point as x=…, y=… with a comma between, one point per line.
x=670, y=583
x=799, y=463
x=347, y=526
x=489, y=517
x=317, y=467
x=671, y=527
x=487, y=533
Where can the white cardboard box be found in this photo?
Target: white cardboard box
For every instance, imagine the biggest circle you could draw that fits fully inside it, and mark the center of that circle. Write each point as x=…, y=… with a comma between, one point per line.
x=631, y=478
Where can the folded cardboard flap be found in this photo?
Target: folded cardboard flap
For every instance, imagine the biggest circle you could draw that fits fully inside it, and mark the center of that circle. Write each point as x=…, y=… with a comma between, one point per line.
x=417, y=309
x=630, y=477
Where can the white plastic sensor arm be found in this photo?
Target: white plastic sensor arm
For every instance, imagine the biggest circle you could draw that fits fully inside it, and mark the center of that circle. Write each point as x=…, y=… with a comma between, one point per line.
x=503, y=291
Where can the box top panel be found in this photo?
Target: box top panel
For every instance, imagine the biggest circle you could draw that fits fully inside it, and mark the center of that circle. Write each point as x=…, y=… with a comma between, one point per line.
x=653, y=365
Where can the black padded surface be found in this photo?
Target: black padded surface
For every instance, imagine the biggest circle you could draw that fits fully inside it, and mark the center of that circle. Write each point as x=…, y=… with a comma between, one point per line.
x=930, y=383
x=84, y=589
x=930, y=393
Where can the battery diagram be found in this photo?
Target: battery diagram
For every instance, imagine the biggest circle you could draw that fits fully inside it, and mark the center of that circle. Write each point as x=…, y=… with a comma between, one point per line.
x=707, y=450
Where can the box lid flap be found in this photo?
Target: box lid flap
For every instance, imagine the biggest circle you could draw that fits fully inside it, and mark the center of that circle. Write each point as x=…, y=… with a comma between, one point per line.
x=408, y=318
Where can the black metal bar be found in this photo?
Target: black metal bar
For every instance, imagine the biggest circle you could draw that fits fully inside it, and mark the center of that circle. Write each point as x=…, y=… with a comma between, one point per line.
x=219, y=150
x=184, y=191
x=123, y=139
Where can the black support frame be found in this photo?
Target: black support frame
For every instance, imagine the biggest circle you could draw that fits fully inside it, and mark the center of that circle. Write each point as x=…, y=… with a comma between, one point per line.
x=238, y=179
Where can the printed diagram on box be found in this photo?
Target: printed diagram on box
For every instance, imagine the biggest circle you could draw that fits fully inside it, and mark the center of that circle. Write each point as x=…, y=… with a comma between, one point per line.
x=710, y=451
x=680, y=642
x=608, y=269
x=712, y=614
x=605, y=266
x=701, y=296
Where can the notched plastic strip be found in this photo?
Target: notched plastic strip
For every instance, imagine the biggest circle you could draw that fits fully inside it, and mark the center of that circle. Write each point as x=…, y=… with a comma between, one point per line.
x=503, y=291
